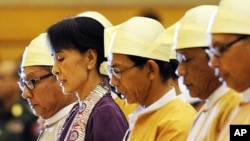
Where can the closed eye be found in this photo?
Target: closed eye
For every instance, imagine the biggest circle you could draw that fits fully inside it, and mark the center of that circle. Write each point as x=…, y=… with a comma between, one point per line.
x=58, y=58
x=116, y=70
x=183, y=58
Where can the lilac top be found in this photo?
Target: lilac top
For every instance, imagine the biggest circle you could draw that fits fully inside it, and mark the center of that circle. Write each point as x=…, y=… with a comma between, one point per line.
x=106, y=122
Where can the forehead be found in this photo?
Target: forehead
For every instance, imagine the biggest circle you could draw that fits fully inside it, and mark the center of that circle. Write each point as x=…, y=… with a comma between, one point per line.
x=190, y=51
x=31, y=71
x=222, y=38
x=115, y=58
x=68, y=52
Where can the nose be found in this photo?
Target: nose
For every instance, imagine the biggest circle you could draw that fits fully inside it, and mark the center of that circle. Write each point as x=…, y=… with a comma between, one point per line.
x=113, y=81
x=55, y=69
x=181, y=70
x=214, y=62
x=26, y=93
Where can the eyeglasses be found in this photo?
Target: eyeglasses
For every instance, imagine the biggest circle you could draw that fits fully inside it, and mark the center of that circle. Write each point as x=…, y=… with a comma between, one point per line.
x=31, y=83
x=218, y=51
x=117, y=72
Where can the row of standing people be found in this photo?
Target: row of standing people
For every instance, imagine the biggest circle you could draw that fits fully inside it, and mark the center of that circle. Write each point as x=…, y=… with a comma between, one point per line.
x=141, y=69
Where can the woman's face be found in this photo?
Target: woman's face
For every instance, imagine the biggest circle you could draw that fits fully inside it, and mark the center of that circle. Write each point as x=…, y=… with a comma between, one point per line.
x=72, y=69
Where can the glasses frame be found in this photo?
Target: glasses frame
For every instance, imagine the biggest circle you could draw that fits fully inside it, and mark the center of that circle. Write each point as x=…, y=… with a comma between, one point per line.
x=31, y=83
x=117, y=72
x=218, y=51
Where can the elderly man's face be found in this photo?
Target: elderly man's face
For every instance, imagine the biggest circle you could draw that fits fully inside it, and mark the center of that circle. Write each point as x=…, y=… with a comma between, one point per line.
x=46, y=99
x=198, y=77
x=232, y=64
x=128, y=79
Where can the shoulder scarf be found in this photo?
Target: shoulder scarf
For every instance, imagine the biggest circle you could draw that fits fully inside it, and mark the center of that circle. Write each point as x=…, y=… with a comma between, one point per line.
x=74, y=128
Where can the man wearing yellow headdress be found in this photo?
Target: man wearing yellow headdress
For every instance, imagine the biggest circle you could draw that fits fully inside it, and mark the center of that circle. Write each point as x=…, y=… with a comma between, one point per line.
x=230, y=42
x=191, y=43
x=41, y=89
x=139, y=67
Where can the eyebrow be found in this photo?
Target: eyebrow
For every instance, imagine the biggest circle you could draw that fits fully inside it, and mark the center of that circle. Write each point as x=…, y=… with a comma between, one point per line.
x=117, y=65
x=24, y=76
x=114, y=65
x=216, y=43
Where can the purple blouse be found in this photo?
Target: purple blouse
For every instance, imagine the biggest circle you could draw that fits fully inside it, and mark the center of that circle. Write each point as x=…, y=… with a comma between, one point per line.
x=106, y=122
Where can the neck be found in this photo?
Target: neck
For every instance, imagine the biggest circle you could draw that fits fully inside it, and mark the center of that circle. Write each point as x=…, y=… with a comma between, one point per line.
x=174, y=83
x=156, y=91
x=89, y=85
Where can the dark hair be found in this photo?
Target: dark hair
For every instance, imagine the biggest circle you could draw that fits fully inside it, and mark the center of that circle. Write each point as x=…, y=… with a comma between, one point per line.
x=167, y=69
x=174, y=65
x=80, y=33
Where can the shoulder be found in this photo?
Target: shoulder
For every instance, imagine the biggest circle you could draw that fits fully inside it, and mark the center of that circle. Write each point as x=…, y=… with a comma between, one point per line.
x=178, y=105
x=106, y=102
x=106, y=106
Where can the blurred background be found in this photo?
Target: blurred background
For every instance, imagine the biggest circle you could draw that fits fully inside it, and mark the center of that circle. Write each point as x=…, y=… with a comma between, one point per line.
x=22, y=20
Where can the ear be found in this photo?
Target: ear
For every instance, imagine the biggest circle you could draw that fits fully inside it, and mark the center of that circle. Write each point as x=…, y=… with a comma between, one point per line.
x=152, y=68
x=92, y=58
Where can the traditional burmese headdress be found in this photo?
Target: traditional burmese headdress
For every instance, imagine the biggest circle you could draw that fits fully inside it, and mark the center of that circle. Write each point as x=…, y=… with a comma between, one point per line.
x=192, y=30
x=232, y=17
x=138, y=36
x=38, y=52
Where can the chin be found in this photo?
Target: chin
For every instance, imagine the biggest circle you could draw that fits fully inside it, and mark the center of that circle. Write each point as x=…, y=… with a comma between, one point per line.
x=38, y=113
x=67, y=92
x=130, y=101
x=194, y=95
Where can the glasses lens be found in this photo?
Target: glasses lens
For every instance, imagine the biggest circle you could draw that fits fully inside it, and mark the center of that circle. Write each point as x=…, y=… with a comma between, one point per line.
x=116, y=73
x=113, y=71
x=29, y=84
x=209, y=52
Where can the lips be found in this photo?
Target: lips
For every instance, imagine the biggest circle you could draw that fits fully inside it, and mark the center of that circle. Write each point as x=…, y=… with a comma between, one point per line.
x=115, y=89
x=187, y=84
x=32, y=105
x=222, y=76
x=61, y=82
x=122, y=96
